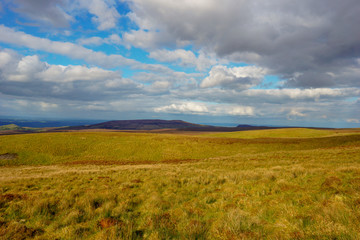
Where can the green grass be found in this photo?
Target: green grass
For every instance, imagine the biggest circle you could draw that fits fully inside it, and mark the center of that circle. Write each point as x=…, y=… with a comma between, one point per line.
x=10, y=127
x=51, y=148
x=283, y=133
x=14, y=127
x=278, y=188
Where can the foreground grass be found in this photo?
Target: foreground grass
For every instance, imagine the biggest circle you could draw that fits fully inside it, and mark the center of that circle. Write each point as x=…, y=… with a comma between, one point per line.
x=235, y=189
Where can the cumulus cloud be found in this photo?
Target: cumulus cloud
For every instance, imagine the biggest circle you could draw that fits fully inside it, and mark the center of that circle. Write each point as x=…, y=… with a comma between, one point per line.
x=201, y=108
x=30, y=68
x=184, y=58
x=295, y=113
x=249, y=111
x=29, y=76
x=236, y=77
x=187, y=108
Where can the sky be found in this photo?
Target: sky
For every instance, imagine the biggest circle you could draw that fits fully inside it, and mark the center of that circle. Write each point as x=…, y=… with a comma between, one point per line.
x=279, y=62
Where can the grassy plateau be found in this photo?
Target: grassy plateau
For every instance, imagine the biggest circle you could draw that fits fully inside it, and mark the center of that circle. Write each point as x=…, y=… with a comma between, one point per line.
x=263, y=184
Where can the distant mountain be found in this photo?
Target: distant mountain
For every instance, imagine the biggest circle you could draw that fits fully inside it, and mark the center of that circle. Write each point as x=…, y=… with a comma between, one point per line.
x=146, y=124
x=157, y=124
x=244, y=126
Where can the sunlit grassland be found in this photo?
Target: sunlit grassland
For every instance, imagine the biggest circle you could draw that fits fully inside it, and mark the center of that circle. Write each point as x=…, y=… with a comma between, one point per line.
x=50, y=148
x=278, y=188
x=286, y=133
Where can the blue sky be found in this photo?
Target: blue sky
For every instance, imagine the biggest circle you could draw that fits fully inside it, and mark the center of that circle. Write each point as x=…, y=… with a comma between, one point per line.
x=238, y=62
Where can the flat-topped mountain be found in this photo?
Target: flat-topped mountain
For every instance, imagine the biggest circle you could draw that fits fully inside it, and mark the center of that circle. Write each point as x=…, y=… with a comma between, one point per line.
x=145, y=124
x=158, y=124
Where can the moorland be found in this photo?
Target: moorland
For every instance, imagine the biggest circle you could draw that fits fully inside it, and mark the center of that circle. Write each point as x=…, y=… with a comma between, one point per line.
x=292, y=183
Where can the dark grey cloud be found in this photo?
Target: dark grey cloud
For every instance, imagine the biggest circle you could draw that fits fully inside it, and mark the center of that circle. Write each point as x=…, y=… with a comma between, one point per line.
x=300, y=41
x=43, y=11
x=60, y=13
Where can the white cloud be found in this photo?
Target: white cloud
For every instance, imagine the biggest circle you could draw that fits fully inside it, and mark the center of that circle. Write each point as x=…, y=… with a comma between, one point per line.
x=44, y=106
x=184, y=58
x=159, y=87
x=298, y=94
x=30, y=68
x=199, y=108
x=5, y=58
x=22, y=104
x=238, y=77
x=352, y=120
x=241, y=111
x=96, y=41
x=72, y=50
x=143, y=39
x=59, y=73
x=186, y=108
x=26, y=68
x=30, y=65
x=295, y=113
x=114, y=39
x=105, y=15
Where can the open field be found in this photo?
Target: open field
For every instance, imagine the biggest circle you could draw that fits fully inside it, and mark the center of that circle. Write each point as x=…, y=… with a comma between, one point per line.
x=266, y=184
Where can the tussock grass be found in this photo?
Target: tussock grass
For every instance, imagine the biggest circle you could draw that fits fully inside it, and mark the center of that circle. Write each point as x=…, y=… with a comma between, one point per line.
x=236, y=189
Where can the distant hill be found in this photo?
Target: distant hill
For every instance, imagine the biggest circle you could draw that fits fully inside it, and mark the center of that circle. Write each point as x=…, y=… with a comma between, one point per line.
x=10, y=127
x=157, y=124
x=244, y=126
x=146, y=124
x=15, y=129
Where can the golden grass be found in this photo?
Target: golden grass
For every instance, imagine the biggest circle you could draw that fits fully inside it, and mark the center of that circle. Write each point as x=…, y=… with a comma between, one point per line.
x=236, y=189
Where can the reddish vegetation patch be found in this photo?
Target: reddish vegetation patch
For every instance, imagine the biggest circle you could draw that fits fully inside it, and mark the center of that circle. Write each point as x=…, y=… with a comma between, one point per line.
x=356, y=183
x=109, y=222
x=357, y=202
x=104, y=177
x=297, y=235
x=10, y=197
x=18, y=231
x=137, y=181
x=8, y=156
x=240, y=195
x=331, y=182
